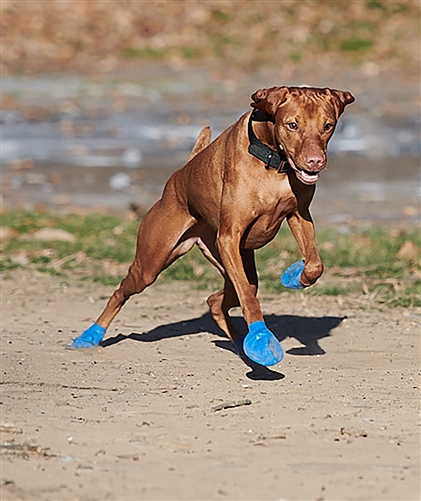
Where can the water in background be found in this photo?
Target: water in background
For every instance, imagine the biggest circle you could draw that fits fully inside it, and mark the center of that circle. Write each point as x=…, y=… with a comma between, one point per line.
x=75, y=142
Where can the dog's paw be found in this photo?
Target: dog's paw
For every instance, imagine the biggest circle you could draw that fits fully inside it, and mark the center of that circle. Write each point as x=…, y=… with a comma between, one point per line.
x=261, y=346
x=291, y=276
x=89, y=338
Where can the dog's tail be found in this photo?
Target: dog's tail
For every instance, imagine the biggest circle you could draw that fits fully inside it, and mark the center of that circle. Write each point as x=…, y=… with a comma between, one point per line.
x=202, y=141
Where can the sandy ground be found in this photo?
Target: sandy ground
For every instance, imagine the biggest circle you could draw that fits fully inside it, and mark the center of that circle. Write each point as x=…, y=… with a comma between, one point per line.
x=165, y=410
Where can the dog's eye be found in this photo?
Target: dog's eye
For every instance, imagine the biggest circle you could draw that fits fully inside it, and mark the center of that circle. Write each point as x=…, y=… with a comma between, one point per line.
x=327, y=127
x=292, y=125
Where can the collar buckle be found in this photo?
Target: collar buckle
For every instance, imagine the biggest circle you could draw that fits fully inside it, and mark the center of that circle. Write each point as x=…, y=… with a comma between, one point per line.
x=269, y=158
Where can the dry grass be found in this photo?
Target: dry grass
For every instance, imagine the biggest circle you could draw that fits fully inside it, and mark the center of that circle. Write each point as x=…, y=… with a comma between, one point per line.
x=57, y=35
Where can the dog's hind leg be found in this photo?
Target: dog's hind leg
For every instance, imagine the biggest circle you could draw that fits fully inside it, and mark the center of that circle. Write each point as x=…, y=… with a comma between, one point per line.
x=159, y=244
x=220, y=303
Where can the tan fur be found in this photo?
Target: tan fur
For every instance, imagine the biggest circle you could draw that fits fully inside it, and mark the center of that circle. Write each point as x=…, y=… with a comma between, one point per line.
x=202, y=141
x=225, y=202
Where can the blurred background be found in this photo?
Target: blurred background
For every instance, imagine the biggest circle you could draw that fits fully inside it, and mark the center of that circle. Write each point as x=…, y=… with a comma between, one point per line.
x=102, y=100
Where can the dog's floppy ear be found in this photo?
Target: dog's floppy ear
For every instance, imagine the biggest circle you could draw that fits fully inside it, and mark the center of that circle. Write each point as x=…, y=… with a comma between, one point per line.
x=341, y=99
x=268, y=100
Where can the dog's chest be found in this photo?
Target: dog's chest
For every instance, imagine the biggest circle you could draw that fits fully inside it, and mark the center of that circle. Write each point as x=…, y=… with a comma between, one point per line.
x=268, y=219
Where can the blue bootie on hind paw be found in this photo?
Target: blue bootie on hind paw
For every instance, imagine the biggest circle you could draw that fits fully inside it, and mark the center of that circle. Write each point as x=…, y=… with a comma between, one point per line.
x=291, y=276
x=261, y=346
x=89, y=338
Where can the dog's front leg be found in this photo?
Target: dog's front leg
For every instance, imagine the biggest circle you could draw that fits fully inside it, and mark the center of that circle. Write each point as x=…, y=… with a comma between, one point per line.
x=259, y=344
x=303, y=273
x=228, y=244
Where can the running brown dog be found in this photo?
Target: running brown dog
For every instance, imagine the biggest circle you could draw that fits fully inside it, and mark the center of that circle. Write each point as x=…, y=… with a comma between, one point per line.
x=230, y=199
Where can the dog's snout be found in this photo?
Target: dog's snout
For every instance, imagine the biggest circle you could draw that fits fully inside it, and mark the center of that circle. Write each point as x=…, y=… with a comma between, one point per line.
x=315, y=161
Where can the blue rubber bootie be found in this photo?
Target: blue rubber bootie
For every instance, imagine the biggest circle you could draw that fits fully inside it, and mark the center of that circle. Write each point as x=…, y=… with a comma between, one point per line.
x=89, y=338
x=291, y=276
x=261, y=346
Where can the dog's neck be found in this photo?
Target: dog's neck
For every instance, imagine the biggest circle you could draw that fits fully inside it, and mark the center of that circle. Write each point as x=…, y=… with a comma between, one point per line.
x=263, y=144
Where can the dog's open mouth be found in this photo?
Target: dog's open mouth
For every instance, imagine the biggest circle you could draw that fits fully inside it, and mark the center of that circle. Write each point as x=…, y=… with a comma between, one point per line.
x=307, y=177
x=304, y=176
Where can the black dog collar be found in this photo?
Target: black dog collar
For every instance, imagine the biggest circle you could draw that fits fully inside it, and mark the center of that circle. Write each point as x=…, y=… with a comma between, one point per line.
x=271, y=158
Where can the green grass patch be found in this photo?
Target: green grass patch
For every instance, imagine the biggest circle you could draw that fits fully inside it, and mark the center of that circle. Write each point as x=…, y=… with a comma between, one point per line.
x=356, y=44
x=144, y=53
x=221, y=16
x=383, y=264
x=157, y=54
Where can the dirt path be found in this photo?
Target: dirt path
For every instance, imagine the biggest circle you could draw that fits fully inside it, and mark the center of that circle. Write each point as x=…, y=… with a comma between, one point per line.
x=167, y=411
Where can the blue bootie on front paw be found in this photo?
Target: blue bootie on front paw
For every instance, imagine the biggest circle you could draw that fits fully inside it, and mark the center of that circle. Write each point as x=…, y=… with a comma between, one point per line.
x=291, y=276
x=261, y=346
x=90, y=338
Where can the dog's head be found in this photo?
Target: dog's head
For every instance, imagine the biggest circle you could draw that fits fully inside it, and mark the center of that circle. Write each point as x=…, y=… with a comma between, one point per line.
x=304, y=119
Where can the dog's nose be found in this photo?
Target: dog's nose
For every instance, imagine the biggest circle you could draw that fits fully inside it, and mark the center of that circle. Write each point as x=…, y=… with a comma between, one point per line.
x=315, y=161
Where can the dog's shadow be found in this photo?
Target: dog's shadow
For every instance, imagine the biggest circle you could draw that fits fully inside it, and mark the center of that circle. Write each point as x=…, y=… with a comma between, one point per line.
x=307, y=330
